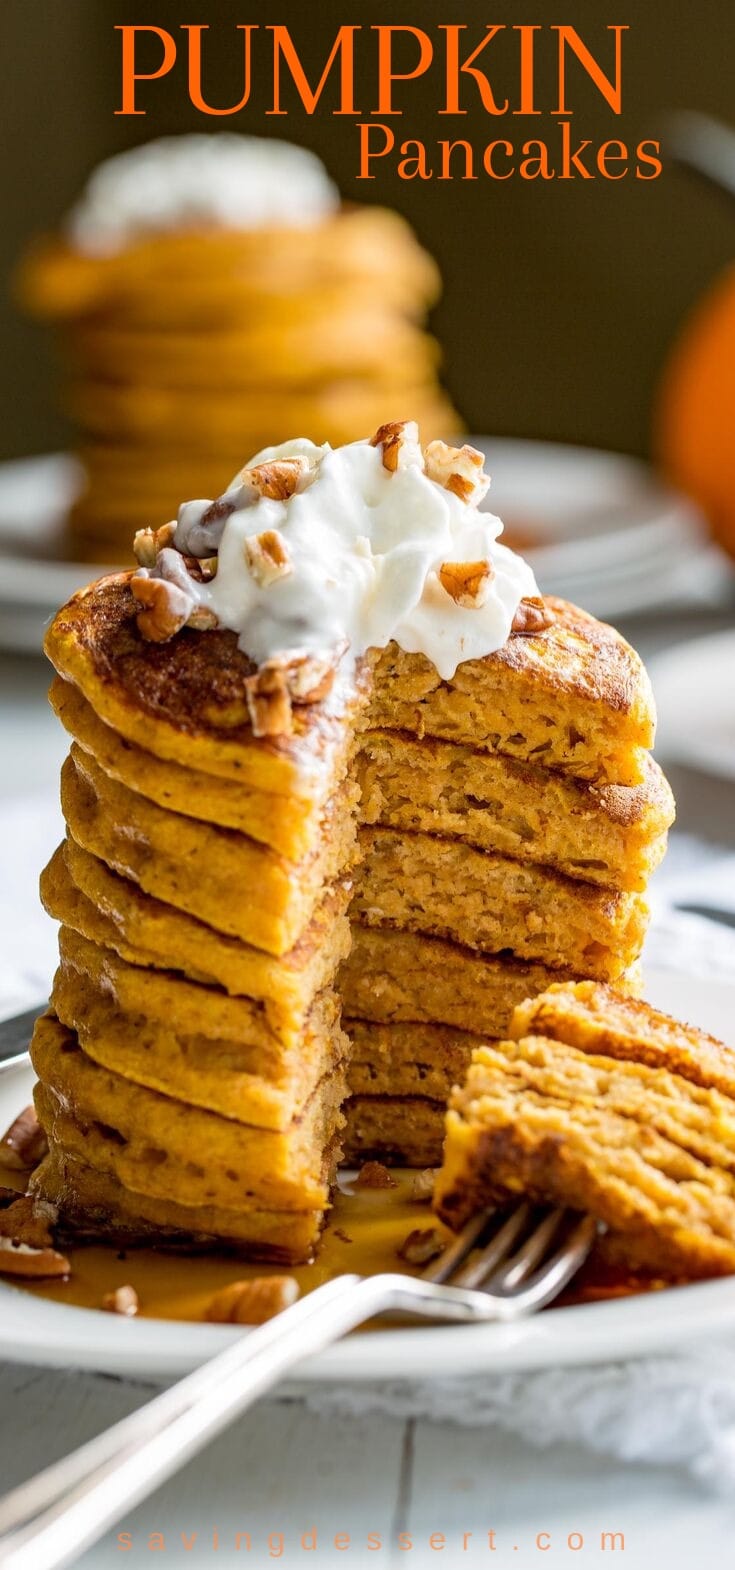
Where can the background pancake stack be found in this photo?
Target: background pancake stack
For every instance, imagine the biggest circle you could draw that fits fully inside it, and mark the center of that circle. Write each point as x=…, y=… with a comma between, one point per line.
x=191, y=1066
x=489, y=874
x=189, y=344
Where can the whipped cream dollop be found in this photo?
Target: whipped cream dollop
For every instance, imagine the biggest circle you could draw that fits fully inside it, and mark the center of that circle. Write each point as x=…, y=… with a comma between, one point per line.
x=231, y=181
x=358, y=555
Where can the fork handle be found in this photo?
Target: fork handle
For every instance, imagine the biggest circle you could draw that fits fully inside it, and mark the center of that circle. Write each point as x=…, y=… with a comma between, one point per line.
x=48, y=1522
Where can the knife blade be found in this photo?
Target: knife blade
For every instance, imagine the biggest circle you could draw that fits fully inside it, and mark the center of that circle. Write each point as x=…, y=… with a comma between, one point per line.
x=15, y=1033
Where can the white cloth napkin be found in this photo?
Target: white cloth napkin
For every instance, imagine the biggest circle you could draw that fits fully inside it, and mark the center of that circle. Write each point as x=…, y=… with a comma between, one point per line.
x=678, y=1408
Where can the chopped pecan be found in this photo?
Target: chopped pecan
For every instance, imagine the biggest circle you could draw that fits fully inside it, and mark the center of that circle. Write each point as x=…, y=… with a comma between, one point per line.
x=310, y=676
x=148, y=542
x=20, y=1259
x=26, y=1240
x=124, y=1300
x=286, y=679
x=422, y=1185
x=277, y=479
x=24, y=1144
x=399, y=440
x=458, y=469
x=533, y=615
x=420, y=1246
x=166, y=607
x=267, y=556
x=202, y=619
x=374, y=1175
x=253, y=1302
x=28, y=1220
x=467, y=582
x=269, y=702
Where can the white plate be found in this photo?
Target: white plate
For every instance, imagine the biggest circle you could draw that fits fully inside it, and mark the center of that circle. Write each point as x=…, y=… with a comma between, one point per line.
x=695, y=698
x=52, y=1334
x=610, y=534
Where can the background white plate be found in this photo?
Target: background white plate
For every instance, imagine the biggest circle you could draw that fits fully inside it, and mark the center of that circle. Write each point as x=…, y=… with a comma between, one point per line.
x=695, y=698
x=51, y=1334
x=609, y=534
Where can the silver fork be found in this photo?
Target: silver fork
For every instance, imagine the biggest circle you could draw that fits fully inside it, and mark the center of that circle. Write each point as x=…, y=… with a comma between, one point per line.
x=499, y=1267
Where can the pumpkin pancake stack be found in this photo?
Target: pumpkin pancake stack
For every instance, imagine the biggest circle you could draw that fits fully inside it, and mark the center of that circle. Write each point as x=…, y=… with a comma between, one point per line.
x=192, y=1066
x=237, y=799
x=211, y=290
x=511, y=819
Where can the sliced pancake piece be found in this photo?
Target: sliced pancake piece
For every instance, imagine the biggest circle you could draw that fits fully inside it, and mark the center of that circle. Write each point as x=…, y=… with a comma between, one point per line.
x=575, y=697
x=647, y=1151
x=446, y=888
x=394, y=977
x=407, y=1060
x=80, y=891
x=404, y=1131
x=95, y=1207
x=290, y=825
x=596, y=1019
x=185, y=700
x=239, y=1080
x=614, y=835
x=209, y=872
x=160, y=1146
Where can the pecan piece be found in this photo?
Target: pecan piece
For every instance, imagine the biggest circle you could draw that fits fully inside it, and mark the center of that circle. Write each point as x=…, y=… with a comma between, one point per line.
x=277, y=478
x=26, y=1240
x=421, y=1245
x=24, y=1144
x=374, y=1175
x=533, y=615
x=458, y=469
x=20, y=1259
x=468, y=582
x=28, y=1220
x=252, y=1302
x=124, y=1300
x=269, y=702
x=422, y=1185
x=148, y=542
x=202, y=619
x=267, y=556
x=166, y=607
x=399, y=440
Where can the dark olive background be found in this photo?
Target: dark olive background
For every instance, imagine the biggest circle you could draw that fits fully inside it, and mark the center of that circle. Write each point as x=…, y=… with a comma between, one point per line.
x=560, y=298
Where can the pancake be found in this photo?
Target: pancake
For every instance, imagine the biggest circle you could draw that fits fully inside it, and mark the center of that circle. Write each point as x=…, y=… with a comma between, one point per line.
x=80, y=891
x=399, y=1131
x=233, y=359
x=185, y=701
x=161, y=1146
x=237, y=1079
x=575, y=697
x=634, y=1132
x=289, y=825
x=596, y=1019
x=399, y=977
x=447, y=889
x=613, y=835
x=163, y=424
x=359, y=243
x=96, y=1207
x=206, y=871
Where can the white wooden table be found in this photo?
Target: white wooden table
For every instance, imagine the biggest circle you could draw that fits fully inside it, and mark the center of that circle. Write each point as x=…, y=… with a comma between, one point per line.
x=282, y=1470
x=283, y=1473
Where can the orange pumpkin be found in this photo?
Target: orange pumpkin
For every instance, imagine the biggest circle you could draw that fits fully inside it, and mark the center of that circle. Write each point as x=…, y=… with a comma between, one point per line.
x=694, y=416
